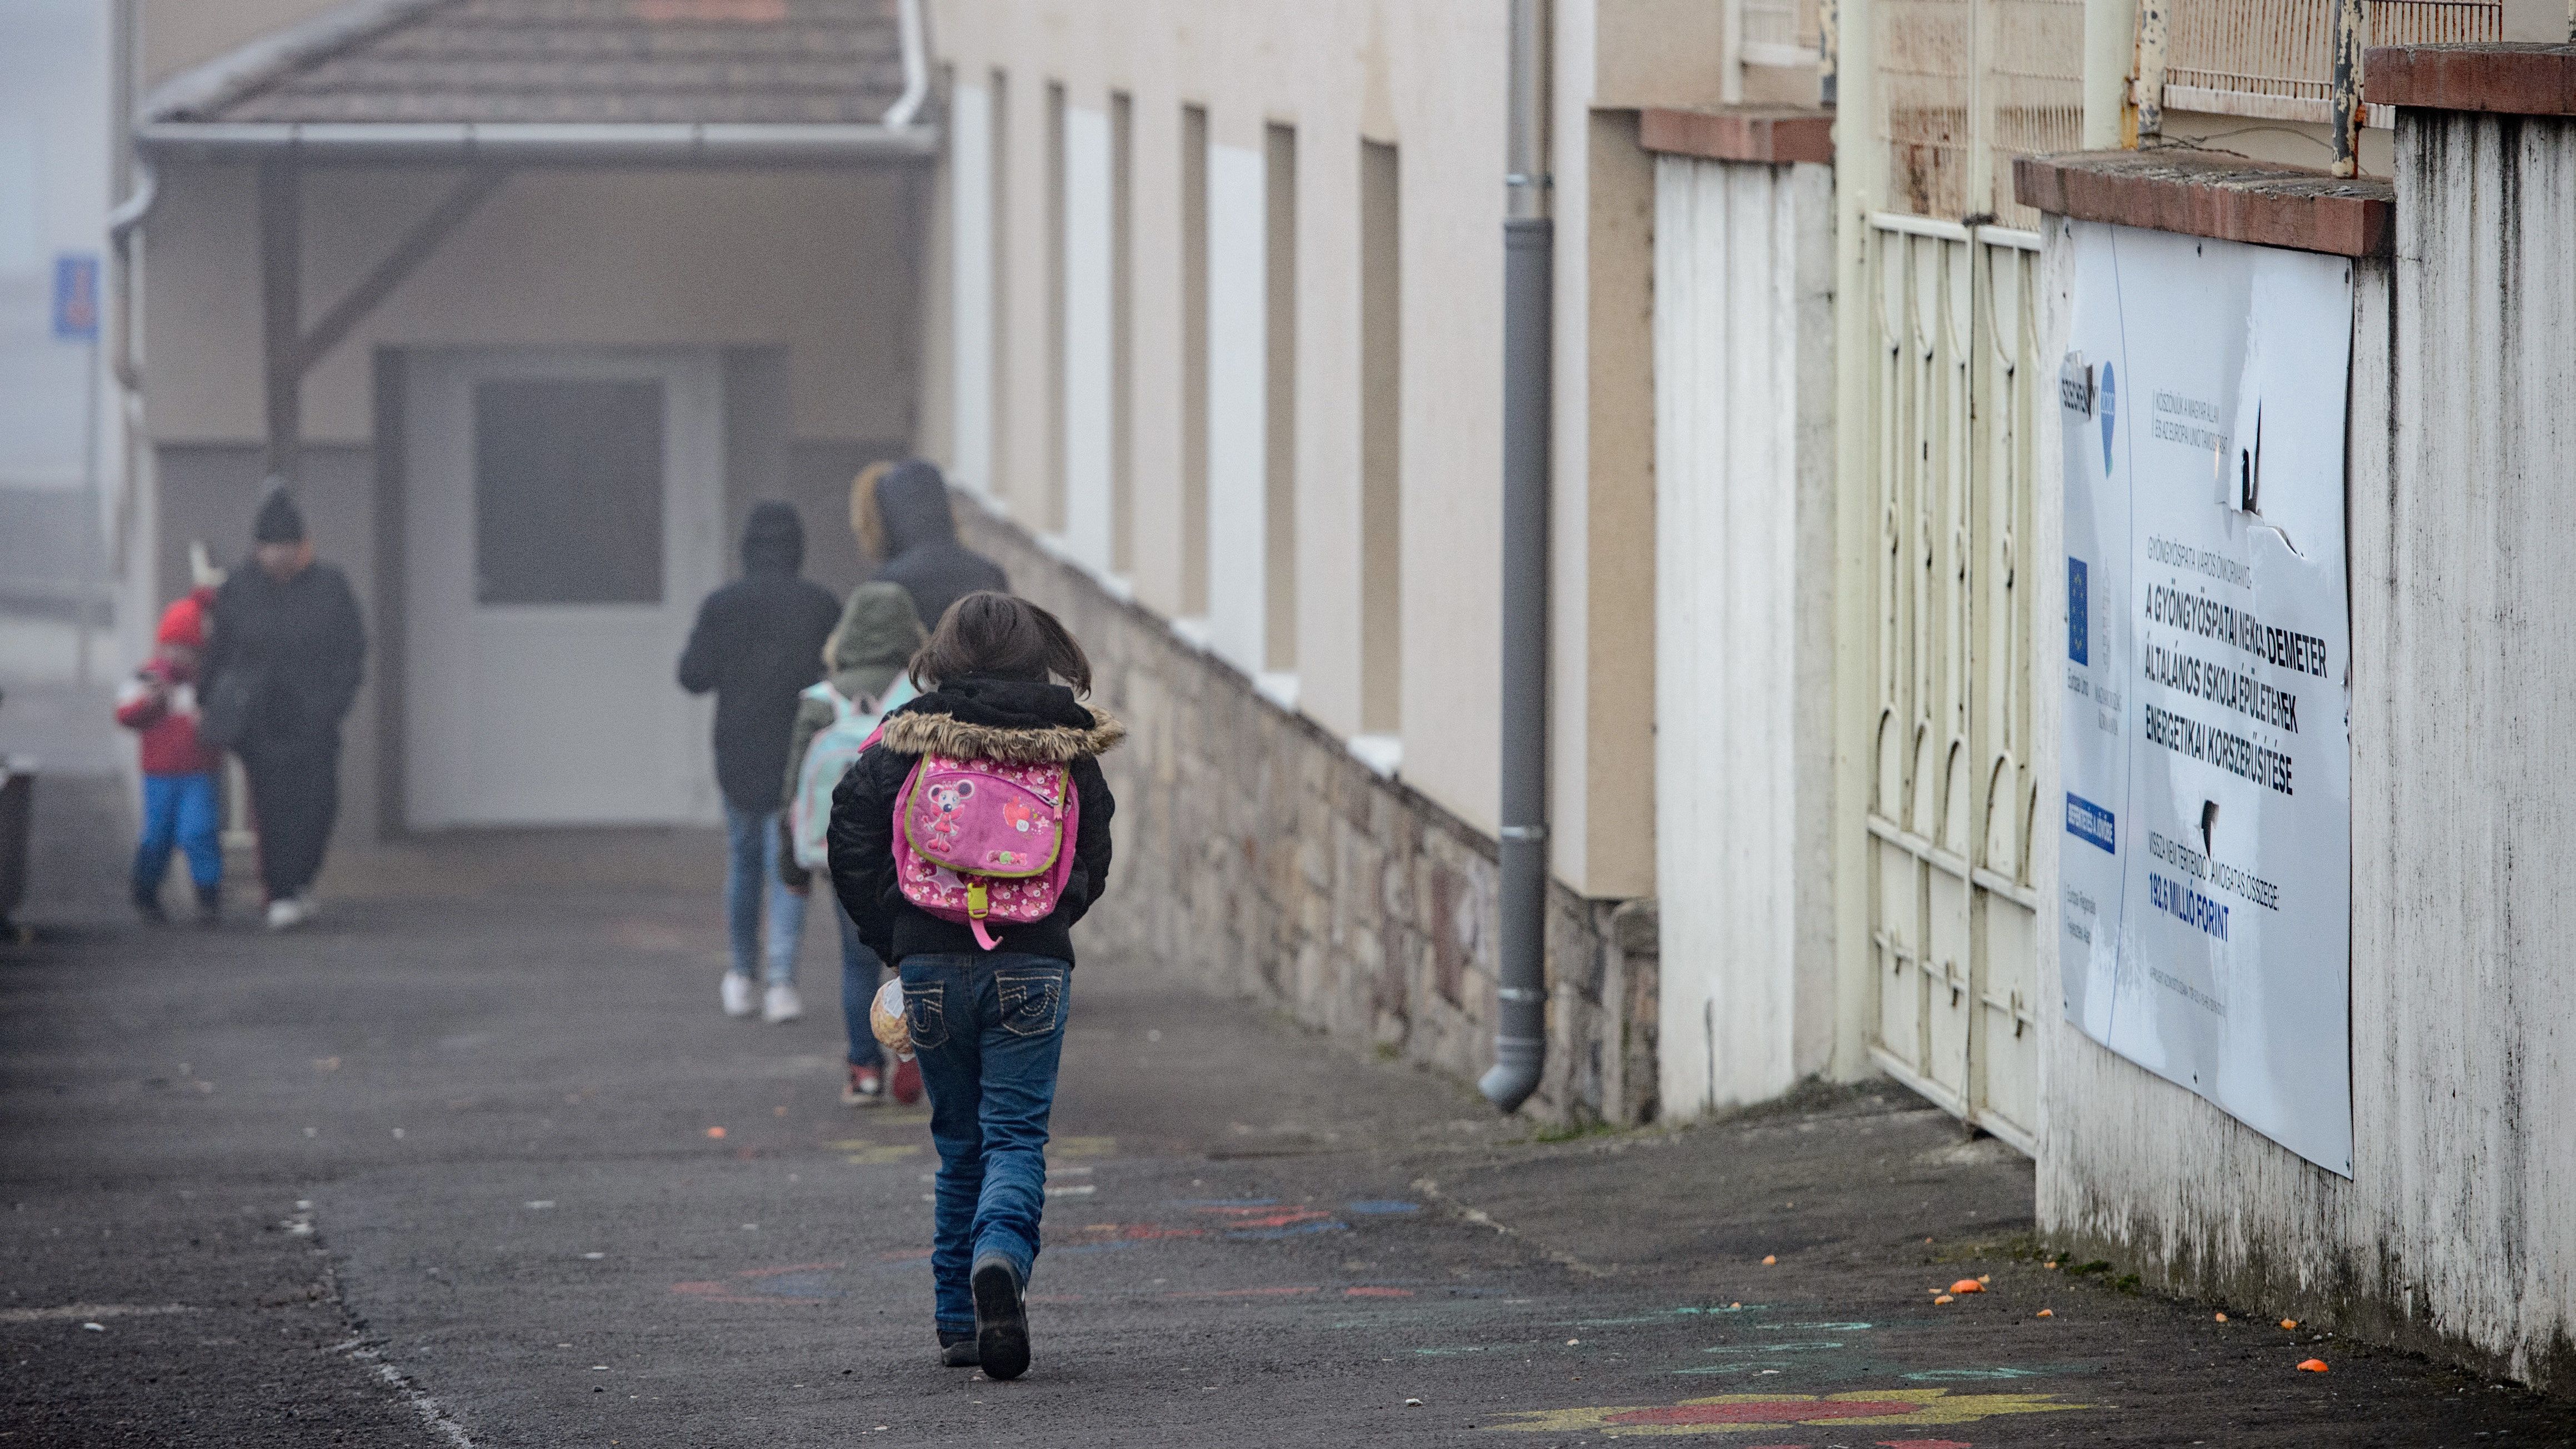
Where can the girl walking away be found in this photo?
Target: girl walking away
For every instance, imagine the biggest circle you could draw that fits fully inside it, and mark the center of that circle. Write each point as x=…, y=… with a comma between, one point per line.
x=966, y=843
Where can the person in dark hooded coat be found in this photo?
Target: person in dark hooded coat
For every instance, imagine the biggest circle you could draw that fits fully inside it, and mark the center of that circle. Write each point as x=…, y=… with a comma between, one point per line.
x=903, y=520
x=757, y=643
x=288, y=654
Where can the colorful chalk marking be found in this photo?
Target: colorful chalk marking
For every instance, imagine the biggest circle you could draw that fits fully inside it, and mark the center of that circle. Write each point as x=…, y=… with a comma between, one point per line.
x=796, y=1285
x=1254, y=1221
x=1745, y=1413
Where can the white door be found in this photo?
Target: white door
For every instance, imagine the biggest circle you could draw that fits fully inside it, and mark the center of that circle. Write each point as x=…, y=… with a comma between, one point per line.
x=564, y=516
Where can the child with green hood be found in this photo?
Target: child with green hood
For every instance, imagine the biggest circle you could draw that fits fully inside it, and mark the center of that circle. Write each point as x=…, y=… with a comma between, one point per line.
x=866, y=655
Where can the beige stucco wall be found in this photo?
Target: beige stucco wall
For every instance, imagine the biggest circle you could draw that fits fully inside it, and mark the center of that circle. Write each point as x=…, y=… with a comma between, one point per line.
x=808, y=260
x=1429, y=79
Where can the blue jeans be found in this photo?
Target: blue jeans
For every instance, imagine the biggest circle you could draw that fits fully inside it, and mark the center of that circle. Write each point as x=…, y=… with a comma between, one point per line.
x=180, y=811
x=751, y=849
x=989, y=1031
x=859, y=969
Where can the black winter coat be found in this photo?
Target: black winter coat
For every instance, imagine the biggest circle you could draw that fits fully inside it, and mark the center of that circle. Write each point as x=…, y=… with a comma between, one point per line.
x=304, y=642
x=757, y=643
x=1005, y=719
x=922, y=551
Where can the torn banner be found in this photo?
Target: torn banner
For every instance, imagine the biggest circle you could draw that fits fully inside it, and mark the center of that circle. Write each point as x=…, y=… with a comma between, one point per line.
x=2206, y=718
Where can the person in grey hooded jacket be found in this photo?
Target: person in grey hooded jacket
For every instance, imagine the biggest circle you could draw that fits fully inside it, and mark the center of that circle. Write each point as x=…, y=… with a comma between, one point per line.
x=903, y=520
x=866, y=655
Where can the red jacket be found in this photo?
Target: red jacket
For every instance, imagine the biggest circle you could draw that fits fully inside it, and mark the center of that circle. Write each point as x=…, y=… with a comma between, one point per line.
x=160, y=702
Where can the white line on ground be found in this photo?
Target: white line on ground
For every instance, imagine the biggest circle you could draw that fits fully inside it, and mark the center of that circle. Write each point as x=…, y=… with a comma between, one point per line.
x=70, y=1311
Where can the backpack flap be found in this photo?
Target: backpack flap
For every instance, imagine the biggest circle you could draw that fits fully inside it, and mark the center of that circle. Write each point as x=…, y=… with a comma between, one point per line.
x=980, y=841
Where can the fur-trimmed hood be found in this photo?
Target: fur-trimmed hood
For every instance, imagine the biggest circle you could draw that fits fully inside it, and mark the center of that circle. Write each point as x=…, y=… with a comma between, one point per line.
x=1014, y=721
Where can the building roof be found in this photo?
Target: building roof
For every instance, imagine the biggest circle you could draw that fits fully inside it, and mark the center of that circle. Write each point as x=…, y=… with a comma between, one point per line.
x=595, y=61
x=428, y=75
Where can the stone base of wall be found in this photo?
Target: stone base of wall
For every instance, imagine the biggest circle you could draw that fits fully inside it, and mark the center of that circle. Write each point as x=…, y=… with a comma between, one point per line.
x=1256, y=854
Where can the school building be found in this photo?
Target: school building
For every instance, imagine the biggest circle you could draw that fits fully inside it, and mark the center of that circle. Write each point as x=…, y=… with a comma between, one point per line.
x=531, y=299
x=1202, y=306
x=1217, y=342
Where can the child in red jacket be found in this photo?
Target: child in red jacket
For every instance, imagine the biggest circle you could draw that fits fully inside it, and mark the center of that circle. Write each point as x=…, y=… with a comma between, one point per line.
x=179, y=796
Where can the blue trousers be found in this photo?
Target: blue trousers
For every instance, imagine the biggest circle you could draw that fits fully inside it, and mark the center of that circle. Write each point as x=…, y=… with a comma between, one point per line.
x=989, y=1031
x=178, y=811
x=751, y=851
x=859, y=976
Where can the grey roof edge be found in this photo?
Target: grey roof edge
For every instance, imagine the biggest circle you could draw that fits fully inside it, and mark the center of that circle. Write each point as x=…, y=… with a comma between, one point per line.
x=237, y=73
x=163, y=123
x=540, y=142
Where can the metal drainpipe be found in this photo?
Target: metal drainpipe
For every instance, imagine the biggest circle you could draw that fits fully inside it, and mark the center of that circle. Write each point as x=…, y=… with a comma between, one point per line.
x=1529, y=259
x=121, y=225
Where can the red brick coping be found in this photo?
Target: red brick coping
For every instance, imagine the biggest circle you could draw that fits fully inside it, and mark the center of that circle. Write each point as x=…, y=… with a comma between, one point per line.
x=2511, y=79
x=2225, y=197
x=1769, y=134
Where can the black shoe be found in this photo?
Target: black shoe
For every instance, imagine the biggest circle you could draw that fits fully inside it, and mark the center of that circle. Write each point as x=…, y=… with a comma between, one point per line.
x=1001, y=1318
x=210, y=905
x=957, y=1350
x=147, y=904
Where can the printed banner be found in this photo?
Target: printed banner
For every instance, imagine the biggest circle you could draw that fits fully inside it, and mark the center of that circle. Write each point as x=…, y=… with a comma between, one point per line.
x=2207, y=758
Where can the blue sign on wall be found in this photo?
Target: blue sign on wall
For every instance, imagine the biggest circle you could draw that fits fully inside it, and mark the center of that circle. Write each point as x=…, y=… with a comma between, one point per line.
x=2079, y=612
x=76, y=297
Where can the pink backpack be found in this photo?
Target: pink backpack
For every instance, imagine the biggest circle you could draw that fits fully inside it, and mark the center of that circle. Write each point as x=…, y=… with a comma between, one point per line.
x=980, y=840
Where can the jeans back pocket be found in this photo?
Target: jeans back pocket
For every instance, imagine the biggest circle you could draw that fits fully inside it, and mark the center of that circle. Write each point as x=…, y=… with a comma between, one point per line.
x=925, y=1013
x=1031, y=1001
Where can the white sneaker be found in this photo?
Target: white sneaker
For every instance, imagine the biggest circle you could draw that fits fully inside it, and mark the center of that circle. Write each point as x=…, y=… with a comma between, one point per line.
x=737, y=994
x=288, y=912
x=782, y=1004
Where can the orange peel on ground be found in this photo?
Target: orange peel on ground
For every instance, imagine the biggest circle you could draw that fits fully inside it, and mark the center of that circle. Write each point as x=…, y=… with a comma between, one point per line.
x=1969, y=1285
x=1770, y=1260
x=1944, y=1298
x=2312, y=1366
x=2289, y=1323
x=2045, y=1313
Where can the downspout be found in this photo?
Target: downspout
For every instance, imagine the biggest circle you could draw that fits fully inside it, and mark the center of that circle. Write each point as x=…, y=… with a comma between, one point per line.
x=121, y=225
x=1529, y=260
x=916, y=67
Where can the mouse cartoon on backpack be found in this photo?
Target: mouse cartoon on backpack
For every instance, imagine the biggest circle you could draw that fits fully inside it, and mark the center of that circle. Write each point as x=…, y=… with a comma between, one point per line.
x=947, y=798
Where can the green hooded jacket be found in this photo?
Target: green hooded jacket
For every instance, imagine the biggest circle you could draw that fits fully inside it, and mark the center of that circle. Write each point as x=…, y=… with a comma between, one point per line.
x=869, y=647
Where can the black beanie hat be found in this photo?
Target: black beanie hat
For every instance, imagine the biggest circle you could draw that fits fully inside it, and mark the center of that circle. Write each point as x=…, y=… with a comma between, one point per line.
x=278, y=520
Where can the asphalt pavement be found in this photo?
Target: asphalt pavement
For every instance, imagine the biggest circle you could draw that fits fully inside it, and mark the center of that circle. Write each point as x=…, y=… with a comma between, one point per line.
x=476, y=1161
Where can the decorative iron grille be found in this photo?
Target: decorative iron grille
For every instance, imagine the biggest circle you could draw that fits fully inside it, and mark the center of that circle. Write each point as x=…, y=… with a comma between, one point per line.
x=2274, y=59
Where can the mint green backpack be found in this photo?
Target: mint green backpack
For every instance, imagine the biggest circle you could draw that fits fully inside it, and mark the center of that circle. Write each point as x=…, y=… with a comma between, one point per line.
x=834, y=748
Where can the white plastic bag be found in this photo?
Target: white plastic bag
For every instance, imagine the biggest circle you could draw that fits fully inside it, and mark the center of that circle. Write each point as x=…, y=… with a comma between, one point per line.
x=886, y=1019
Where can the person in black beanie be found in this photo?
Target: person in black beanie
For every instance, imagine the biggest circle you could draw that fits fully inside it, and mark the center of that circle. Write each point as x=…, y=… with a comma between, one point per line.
x=757, y=643
x=288, y=654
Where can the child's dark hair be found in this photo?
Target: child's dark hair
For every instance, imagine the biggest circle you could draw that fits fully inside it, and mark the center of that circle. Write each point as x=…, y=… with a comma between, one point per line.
x=1003, y=636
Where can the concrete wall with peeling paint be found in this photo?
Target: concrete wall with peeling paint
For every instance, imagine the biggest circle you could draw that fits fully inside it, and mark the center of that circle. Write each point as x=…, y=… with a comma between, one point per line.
x=2457, y=1233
